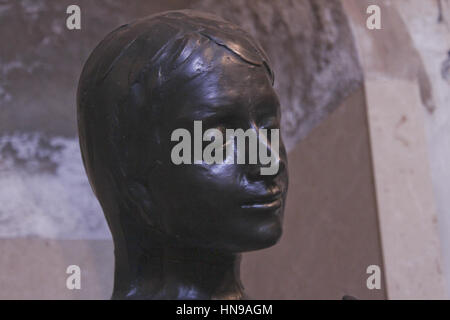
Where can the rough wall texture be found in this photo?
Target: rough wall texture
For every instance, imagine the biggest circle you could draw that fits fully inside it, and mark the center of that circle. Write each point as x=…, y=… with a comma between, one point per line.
x=309, y=42
x=430, y=33
x=402, y=65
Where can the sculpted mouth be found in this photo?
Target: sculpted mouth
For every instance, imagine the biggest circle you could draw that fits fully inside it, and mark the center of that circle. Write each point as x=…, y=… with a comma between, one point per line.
x=271, y=201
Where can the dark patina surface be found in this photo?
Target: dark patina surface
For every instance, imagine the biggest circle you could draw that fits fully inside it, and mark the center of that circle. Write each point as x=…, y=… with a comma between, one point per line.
x=179, y=230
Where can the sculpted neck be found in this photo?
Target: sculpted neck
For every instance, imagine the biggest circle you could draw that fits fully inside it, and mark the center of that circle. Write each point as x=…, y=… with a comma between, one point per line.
x=147, y=269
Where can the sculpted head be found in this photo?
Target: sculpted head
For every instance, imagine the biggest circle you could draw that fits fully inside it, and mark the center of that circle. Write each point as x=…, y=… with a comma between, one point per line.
x=162, y=73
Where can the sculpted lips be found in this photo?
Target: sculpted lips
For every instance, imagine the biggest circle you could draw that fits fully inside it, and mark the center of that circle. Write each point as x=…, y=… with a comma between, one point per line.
x=269, y=201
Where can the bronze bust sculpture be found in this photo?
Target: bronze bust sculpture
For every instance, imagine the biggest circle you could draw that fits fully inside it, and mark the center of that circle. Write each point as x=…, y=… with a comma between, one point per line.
x=179, y=228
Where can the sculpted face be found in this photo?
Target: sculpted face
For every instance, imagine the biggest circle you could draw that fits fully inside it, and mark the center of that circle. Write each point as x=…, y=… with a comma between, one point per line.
x=179, y=226
x=223, y=206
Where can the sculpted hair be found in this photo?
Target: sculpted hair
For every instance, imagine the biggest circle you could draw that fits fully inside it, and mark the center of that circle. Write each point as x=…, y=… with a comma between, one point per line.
x=129, y=78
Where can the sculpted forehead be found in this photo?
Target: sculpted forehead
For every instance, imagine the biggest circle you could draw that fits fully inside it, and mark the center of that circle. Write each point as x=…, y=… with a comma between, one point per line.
x=231, y=82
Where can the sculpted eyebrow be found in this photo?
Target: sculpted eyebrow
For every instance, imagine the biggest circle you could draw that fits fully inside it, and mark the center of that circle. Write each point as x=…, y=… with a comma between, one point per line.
x=209, y=112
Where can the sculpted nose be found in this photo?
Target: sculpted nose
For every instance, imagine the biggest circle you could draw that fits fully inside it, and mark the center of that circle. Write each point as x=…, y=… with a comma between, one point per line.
x=272, y=150
x=268, y=157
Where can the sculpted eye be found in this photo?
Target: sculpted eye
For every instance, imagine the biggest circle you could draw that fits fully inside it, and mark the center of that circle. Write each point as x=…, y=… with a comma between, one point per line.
x=269, y=123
